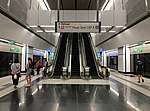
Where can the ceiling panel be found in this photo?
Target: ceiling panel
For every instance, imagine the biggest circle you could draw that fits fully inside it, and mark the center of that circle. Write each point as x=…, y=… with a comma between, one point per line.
x=93, y=5
x=69, y=4
x=75, y=4
x=83, y=4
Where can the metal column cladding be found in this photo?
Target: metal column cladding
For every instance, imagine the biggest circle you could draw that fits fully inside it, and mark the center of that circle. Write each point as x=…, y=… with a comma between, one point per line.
x=58, y=8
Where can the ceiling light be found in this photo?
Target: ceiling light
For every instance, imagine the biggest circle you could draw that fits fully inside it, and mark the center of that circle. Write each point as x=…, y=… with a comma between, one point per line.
x=33, y=25
x=112, y=31
x=119, y=26
x=49, y=30
x=47, y=4
x=106, y=2
x=19, y=44
x=3, y=40
x=45, y=26
x=103, y=31
x=109, y=5
x=42, y=4
x=39, y=31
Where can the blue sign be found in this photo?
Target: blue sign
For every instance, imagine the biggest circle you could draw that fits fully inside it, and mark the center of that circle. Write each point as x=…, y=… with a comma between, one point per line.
x=101, y=49
x=98, y=54
x=51, y=54
x=48, y=49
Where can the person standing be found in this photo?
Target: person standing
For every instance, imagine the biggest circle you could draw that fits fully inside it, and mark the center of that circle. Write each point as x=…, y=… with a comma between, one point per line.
x=29, y=68
x=15, y=68
x=38, y=66
x=139, y=68
x=45, y=65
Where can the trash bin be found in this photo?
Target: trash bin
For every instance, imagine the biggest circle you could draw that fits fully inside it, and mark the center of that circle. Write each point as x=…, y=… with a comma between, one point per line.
x=106, y=72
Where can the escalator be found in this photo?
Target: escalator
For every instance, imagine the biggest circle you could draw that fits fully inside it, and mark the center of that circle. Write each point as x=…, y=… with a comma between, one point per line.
x=89, y=56
x=75, y=67
x=60, y=58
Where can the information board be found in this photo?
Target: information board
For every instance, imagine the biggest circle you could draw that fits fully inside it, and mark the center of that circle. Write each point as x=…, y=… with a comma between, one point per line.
x=93, y=27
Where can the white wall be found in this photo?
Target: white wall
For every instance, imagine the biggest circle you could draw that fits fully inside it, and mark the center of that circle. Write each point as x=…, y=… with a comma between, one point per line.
x=12, y=31
x=139, y=32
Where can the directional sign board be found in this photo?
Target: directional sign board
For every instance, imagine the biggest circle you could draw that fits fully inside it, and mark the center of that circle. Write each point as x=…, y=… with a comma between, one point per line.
x=78, y=27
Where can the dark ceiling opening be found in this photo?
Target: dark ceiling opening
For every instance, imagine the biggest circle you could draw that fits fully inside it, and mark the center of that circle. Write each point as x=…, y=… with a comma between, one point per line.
x=76, y=4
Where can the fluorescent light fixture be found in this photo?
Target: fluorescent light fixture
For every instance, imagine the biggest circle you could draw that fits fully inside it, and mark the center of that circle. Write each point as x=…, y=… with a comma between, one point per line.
x=33, y=25
x=114, y=91
x=104, y=5
x=42, y=4
x=109, y=5
x=49, y=30
x=133, y=45
x=129, y=103
x=4, y=40
x=52, y=25
x=19, y=44
x=39, y=31
x=119, y=26
x=147, y=42
x=106, y=26
x=44, y=25
x=112, y=31
x=103, y=31
x=47, y=4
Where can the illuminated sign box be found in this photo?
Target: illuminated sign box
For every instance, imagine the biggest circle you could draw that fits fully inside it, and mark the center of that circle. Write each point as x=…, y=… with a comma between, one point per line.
x=78, y=27
x=14, y=49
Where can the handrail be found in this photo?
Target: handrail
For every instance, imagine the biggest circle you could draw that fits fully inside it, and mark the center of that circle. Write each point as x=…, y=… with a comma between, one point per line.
x=94, y=53
x=80, y=56
x=67, y=56
x=70, y=56
x=83, y=52
x=56, y=56
x=66, y=53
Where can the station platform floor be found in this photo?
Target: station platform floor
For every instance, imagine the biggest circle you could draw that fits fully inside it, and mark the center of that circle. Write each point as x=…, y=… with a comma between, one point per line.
x=119, y=93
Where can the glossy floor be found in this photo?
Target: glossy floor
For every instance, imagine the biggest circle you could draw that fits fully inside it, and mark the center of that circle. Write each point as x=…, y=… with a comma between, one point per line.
x=114, y=96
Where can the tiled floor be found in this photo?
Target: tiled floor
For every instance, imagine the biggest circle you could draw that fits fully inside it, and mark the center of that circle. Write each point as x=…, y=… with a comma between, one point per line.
x=119, y=93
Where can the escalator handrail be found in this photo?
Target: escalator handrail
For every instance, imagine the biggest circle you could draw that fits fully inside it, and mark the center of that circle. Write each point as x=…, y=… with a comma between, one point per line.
x=80, y=56
x=70, y=56
x=83, y=52
x=56, y=56
x=66, y=53
x=94, y=53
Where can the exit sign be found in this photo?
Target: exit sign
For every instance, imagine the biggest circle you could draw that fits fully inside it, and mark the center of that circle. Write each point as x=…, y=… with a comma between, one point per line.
x=138, y=50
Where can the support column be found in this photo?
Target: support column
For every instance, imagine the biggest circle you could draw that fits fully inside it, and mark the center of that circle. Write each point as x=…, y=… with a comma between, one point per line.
x=58, y=9
x=104, y=59
x=124, y=59
x=29, y=52
x=23, y=61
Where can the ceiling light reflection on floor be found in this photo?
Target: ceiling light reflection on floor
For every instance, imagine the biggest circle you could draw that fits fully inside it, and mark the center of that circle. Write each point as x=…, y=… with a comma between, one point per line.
x=114, y=91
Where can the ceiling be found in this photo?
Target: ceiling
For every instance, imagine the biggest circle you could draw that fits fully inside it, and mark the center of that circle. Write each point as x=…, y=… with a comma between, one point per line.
x=76, y=4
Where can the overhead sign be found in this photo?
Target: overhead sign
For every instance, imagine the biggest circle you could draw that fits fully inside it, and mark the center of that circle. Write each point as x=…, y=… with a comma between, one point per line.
x=11, y=42
x=78, y=27
x=14, y=49
x=138, y=50
x=140, y=43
